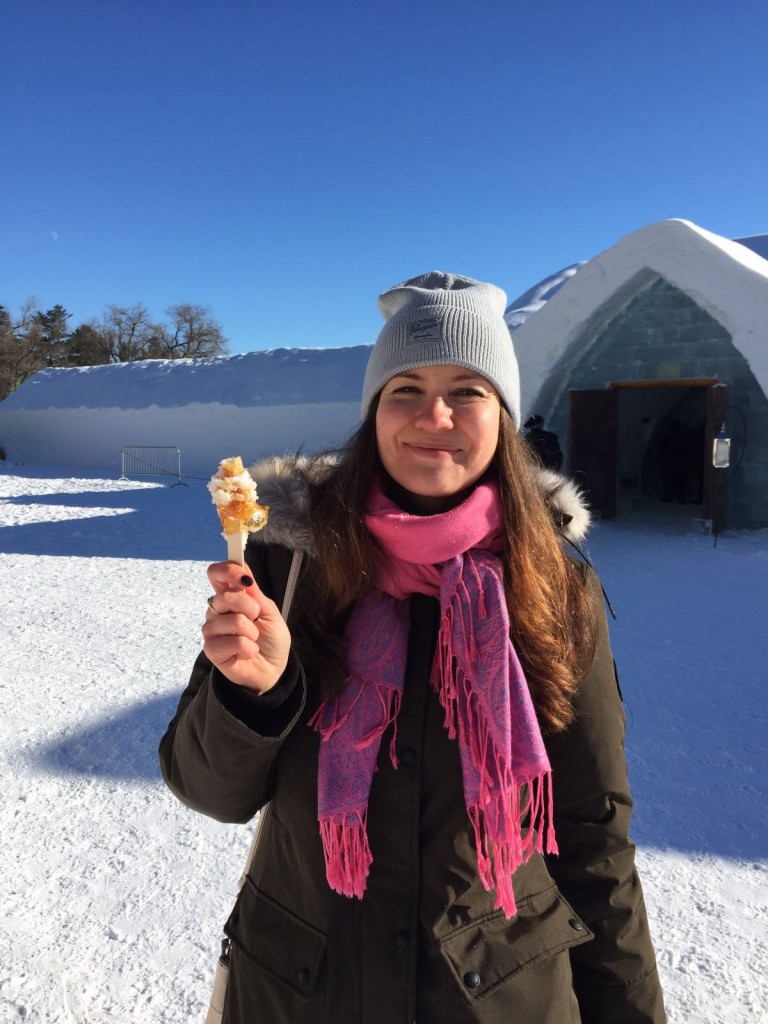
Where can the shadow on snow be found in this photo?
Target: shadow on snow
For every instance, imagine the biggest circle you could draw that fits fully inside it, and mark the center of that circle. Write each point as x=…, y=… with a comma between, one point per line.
x=704, y=792
x=123, y=747
x=175, y=523
x=696, y=801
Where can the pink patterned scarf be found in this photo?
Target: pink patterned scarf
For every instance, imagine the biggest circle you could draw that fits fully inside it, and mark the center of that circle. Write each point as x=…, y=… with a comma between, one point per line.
x=476, y=674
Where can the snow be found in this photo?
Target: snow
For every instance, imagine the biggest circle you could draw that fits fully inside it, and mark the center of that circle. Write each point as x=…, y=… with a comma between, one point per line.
x=251, y=405
x=272, y=377
x=757, y=243
x=723, y=277
x=115, y=894
x=530, y=302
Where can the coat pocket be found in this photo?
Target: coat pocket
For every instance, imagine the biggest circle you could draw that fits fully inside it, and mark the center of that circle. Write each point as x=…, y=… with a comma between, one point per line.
x=286, y=948
x=486, y=953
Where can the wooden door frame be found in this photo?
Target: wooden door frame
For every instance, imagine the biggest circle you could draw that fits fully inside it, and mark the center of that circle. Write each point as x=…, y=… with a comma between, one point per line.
x=716, y=400
x=714, y=479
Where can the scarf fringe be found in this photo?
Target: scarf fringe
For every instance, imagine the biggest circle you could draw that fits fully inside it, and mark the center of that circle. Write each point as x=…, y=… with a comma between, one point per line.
x=329, y=717
x=502, y=802
x=499, y=857
x=347, y=853
x=344, y=834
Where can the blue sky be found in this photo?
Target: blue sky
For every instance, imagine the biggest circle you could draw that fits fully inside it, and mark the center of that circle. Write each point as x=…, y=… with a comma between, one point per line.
x=282, y=164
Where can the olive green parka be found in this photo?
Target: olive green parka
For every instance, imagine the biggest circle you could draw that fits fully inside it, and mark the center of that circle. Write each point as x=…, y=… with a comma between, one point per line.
x=424, y=944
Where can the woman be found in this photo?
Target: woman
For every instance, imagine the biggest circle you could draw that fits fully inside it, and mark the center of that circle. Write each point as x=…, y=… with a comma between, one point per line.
x=438, y=732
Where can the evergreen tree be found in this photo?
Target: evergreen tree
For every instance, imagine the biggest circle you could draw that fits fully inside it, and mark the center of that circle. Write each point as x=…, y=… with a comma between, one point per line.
x=86, y=346
x=52, y=336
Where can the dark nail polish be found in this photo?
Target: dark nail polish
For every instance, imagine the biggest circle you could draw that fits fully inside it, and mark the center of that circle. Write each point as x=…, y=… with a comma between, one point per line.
x=246, y=581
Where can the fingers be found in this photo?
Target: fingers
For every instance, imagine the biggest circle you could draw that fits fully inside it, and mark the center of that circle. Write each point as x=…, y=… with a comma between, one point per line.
x=236, y=591
x=229, y=637
x=229, y=649
x=245, y=635
x=232, y=615
x=233, y=602
x=231, y=576
x=230, y=623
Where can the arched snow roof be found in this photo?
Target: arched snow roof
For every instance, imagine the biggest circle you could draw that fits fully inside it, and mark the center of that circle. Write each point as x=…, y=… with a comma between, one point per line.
x=533, y=300
x=726, y=278
x=282, y=376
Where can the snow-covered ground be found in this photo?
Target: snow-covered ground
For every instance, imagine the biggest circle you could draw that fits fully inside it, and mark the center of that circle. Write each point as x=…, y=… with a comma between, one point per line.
x=114, y=894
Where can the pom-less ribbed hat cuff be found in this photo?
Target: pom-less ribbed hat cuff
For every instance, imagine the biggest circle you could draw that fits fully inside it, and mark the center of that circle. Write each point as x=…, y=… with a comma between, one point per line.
x=443, y=319
x=459, y=337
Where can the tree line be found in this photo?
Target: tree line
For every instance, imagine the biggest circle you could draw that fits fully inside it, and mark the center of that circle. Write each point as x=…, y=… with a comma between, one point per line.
x=37, y=339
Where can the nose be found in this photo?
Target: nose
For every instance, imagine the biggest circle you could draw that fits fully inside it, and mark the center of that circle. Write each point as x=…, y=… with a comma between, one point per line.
x=434, y=414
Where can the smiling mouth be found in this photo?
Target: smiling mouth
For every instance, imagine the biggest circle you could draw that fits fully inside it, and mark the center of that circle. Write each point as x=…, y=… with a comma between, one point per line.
x=432, y=449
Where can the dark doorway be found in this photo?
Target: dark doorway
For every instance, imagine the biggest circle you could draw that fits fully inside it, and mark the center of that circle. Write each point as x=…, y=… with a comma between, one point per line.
x=592, y=449
x=635, y=446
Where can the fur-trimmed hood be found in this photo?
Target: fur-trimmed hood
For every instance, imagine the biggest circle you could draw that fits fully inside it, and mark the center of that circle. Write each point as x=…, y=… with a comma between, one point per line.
x=282, y=483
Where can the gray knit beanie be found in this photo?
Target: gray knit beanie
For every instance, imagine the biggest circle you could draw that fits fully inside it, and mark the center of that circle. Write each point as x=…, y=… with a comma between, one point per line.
x=445, y=319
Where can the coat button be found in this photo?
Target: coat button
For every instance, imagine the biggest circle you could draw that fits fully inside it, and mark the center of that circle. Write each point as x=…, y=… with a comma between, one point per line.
x=407, y=756
x=472, y=979
x=401, y=941
x=304, y=976
x=576, y=924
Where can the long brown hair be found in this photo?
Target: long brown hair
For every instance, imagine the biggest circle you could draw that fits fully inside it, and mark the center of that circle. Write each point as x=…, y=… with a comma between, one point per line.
x=553, y=625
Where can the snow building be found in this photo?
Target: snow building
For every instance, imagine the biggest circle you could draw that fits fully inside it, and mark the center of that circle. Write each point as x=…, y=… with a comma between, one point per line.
x=667, y=328
x=637, y=359
x=250, y=405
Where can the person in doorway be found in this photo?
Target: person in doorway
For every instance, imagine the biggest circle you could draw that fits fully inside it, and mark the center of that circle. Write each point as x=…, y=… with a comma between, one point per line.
x=545, y=443
x=437, y=729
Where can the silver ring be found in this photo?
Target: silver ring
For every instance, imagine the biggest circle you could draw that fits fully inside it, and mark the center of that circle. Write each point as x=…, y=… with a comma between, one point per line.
x=210, y=604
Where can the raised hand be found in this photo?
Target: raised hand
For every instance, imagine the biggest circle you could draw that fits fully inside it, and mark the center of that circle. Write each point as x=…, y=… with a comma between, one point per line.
x=245, y=635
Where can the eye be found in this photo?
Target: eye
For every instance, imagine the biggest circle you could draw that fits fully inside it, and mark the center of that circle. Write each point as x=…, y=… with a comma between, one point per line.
x=405, y=389
x=469, y=392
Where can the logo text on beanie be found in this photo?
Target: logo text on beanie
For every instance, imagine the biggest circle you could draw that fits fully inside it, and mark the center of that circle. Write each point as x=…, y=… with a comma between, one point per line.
x=426, y=329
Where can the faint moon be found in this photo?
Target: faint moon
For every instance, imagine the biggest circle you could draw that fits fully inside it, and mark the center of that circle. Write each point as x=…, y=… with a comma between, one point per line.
x=54, y=236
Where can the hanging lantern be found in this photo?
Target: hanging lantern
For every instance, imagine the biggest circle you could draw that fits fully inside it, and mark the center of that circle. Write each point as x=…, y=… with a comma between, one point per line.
x=721, y=450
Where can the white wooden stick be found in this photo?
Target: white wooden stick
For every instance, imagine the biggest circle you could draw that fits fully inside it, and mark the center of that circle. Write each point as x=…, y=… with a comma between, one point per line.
x=236, y=547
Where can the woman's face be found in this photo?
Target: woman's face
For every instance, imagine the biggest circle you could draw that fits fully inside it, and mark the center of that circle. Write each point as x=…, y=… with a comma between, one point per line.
x=437, y=428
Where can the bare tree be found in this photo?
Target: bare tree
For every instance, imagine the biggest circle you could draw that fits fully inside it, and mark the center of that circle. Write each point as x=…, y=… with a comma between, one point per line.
x=20, y=346
x=128, y=333
x=191, y=334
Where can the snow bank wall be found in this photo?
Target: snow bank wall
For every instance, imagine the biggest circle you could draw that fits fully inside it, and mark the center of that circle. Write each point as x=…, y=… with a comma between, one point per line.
x=254, y=404
x=204, y=432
